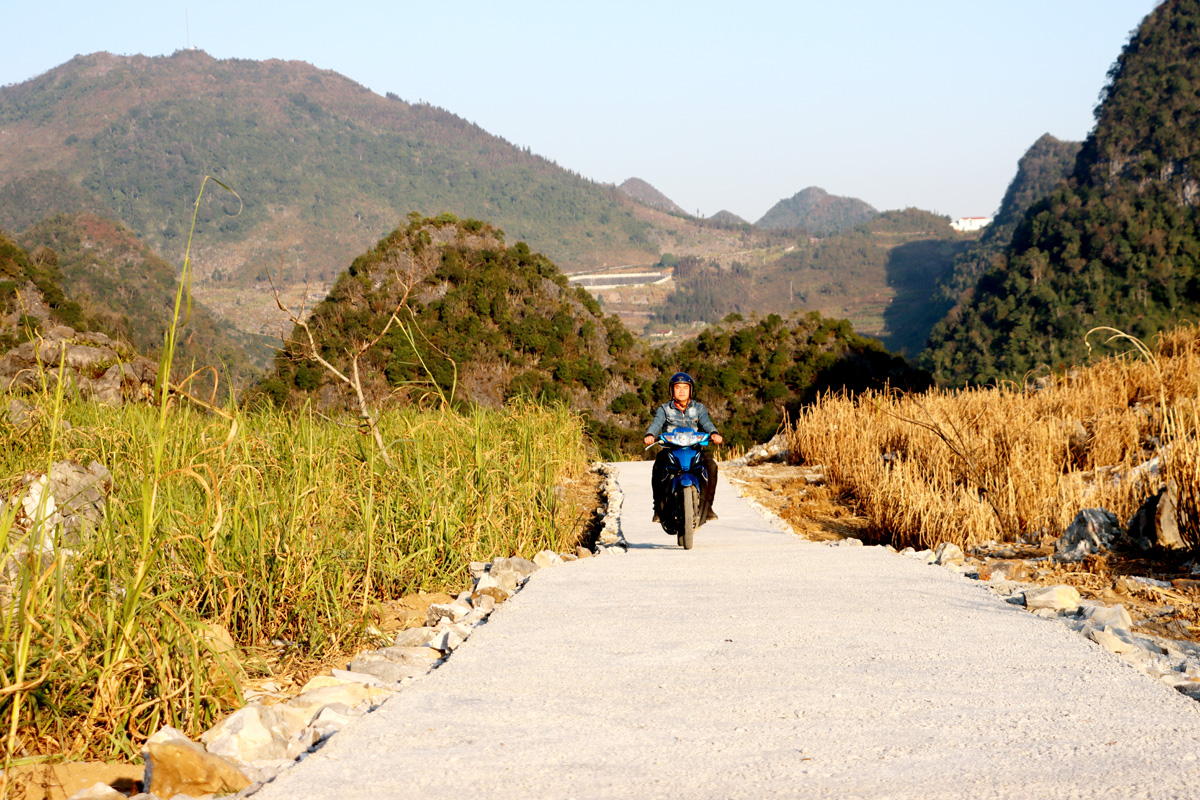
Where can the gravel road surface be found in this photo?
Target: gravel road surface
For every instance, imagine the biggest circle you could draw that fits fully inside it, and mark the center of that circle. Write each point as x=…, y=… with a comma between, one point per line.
x=759, y=665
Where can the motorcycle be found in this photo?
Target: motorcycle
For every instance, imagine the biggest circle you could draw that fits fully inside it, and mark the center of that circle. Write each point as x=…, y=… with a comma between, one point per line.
x=686, y=477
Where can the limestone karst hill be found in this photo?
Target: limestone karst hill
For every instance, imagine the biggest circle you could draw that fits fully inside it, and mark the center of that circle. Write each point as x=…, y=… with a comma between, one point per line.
x=816, y=211
x=1118, y=244
x=484, y=323
x=1046, y=164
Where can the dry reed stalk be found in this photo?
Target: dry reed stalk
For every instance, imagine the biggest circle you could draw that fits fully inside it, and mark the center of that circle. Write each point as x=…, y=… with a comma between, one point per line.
x=1007, y=463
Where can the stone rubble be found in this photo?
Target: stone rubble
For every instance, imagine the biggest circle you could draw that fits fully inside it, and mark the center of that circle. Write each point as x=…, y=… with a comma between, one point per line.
x=1092, y=531
x=252, y=746
x=611, y=539
x=95, y=367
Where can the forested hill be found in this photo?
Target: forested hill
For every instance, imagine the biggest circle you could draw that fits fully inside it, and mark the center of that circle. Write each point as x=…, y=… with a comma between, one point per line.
x=1046, y=164
x=815, y=211
x=322, y=165
x=488, y=323
x=125, y=289
x=1116, y=246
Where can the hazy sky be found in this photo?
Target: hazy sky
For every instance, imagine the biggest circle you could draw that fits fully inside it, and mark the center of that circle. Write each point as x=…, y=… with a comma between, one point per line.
x=718, y=105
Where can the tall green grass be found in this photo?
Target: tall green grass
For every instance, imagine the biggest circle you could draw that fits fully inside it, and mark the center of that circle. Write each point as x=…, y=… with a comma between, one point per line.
x=277, y=526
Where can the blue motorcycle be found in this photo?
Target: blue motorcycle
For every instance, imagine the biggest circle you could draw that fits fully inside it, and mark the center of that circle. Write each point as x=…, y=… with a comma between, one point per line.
x=686, y=478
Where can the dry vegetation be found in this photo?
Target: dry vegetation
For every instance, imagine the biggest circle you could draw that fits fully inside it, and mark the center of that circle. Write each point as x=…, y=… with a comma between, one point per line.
x=243, y=548
x=1014, y=463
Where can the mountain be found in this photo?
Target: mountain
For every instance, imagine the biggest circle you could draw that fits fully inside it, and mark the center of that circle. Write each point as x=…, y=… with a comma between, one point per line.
x=817, y=212
x=321, y=165
x=1046, y=164
x=724, y=217
x=126, y=290
x=490, y=323
x=1118, y=245
x=647, y=195
x=880, y=276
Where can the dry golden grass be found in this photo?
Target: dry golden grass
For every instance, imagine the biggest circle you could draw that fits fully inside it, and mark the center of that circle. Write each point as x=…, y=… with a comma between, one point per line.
x=1015, y=463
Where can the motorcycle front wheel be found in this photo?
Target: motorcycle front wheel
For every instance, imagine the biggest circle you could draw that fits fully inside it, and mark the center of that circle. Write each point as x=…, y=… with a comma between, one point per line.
x=690, y=502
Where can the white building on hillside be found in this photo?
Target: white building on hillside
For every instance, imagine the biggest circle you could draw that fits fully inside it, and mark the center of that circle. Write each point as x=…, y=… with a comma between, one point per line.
x=968, y=224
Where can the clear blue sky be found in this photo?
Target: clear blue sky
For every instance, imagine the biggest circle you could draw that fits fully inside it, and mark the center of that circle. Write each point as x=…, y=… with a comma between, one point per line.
x=718, y=105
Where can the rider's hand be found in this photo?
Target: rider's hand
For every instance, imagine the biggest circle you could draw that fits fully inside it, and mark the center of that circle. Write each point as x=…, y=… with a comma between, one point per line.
x=648, y=439
x=717, y=438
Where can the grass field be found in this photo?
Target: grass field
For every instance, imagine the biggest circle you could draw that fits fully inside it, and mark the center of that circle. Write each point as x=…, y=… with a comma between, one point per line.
x=256, y=528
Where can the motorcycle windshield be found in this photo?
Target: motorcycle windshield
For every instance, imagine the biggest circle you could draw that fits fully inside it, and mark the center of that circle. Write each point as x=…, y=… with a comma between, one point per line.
x=685, y=437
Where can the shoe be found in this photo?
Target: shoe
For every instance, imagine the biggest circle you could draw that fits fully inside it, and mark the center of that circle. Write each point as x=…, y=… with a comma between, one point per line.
x=711, y=516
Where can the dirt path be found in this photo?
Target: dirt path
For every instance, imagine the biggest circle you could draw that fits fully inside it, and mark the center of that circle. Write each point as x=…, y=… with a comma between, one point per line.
x=760, y=665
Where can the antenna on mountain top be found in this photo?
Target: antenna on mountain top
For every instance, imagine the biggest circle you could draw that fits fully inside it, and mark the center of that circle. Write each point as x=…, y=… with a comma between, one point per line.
x=187, y=28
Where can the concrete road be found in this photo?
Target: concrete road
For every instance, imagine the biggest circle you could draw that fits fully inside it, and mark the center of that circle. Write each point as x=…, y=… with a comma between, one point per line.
x=758, y=665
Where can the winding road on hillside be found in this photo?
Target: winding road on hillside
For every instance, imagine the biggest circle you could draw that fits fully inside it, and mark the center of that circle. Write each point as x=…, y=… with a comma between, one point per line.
x=760, y=665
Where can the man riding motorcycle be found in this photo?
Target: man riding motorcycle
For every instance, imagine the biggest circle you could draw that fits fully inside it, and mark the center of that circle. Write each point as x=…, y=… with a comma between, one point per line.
x=682, y=412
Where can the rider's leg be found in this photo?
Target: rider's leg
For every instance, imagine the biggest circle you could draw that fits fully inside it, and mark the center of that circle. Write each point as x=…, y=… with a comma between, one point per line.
x=656, y=482
x=710, y=487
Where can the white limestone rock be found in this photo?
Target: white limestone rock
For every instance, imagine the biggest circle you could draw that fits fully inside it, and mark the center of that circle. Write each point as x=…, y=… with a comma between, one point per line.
x=414, y=637
x=447, y=640
x=1104, y=616
x=359, y=677
x=385, y=669
x=948, y=554
x=1111, y=643
x=251, y=733
x=1092, y=531
x=331, y=691
x=98, y=791
x=451, y=611
x=1056, y=598
x=488, y=586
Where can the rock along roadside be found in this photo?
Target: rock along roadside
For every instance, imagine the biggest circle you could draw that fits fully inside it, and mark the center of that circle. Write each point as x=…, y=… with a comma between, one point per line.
x=760, y=665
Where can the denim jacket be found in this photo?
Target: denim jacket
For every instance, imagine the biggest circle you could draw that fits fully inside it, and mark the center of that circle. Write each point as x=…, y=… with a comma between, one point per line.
x=694, y=416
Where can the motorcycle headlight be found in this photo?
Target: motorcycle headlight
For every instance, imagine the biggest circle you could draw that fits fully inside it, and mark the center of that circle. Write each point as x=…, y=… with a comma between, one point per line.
x=684, y=438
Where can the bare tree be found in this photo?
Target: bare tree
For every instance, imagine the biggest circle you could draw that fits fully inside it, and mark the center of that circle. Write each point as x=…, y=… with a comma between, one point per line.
x=356, y=350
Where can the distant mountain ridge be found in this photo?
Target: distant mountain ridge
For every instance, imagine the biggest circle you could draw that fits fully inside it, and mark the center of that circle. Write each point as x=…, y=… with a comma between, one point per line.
x=322, y=165
x=646, y=194
x=817, y=211
x=724, y=217
x=880, y=276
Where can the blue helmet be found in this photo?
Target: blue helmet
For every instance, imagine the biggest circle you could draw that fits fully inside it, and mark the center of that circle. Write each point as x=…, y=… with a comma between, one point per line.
x=681, y=377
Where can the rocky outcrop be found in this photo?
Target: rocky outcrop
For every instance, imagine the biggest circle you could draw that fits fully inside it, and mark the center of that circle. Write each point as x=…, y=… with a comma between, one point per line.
x=59, y=509
x=1093, y=531
x=93, y=367
x=1156, y=523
